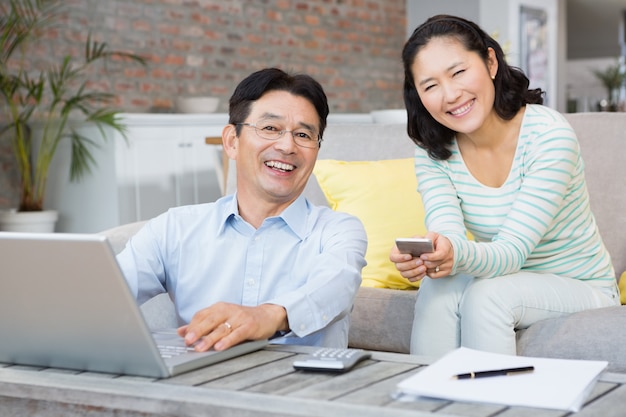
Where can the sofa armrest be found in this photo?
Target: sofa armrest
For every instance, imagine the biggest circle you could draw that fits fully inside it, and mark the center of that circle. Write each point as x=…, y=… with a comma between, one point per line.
x=159, y=311
x=119, y=235
x=598, y=334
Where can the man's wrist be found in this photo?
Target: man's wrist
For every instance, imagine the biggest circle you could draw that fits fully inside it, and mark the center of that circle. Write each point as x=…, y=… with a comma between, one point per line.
x=278, y=315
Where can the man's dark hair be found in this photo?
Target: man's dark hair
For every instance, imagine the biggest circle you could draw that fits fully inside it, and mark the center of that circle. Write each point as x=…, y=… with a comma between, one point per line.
x=254, y=86
x=511, y=84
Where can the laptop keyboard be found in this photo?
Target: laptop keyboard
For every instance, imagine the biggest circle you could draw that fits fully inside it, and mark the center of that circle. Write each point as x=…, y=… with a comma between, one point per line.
x=169, y=351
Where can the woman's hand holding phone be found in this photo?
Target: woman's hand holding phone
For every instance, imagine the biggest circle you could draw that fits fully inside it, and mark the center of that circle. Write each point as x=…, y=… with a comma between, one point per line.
x=415, y=246
x=416, y=268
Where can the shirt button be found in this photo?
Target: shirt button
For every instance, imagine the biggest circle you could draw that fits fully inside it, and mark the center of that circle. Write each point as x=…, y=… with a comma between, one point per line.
x=325, y=317
x=302, y=326
x=250, y=282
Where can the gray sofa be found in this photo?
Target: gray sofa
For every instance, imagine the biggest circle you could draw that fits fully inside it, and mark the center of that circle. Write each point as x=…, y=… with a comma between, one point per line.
x=381, y=318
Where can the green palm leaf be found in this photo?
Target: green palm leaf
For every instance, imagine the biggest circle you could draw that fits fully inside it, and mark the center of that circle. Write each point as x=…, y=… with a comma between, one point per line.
x=56, y=95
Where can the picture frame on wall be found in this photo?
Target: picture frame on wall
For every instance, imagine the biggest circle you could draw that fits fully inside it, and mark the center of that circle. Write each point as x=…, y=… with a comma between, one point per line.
x=534, y=52
x=533, y=34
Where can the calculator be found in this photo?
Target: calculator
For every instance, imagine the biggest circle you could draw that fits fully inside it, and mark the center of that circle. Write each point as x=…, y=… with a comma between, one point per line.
x=332, y=360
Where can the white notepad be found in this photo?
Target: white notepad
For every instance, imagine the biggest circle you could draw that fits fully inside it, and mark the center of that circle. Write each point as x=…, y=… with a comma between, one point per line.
x=561, y=384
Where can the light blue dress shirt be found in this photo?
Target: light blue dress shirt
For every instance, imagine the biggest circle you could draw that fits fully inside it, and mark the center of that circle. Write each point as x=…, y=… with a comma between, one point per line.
x=308, y=260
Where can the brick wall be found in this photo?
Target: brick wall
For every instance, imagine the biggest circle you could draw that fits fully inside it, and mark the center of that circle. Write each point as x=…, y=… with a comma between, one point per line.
x=205, y=47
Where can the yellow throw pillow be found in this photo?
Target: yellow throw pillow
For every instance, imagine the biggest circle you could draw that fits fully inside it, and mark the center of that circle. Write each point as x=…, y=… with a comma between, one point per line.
x=622, y=288
x=383, y=195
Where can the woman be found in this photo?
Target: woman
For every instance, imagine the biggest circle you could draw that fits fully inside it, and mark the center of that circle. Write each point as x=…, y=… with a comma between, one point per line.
x=493, y=161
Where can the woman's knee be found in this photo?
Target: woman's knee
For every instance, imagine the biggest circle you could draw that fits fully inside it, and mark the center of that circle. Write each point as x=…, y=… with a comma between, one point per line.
x=442, y=293
x=487, y=299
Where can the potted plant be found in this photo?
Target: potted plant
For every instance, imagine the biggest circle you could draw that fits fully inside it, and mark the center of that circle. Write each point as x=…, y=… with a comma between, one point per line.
x=56, y=99
x=612, y=79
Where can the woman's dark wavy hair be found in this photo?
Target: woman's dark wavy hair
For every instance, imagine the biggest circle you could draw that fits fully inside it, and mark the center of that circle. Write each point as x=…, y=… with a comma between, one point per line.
x=511, y=84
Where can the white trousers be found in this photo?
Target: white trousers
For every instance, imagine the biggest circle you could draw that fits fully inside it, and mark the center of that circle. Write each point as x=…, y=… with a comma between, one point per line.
x=483, y=313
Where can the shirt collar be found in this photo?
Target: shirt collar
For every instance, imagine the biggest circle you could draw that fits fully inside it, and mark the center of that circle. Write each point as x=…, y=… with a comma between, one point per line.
x=229, y=211
x=295, y=215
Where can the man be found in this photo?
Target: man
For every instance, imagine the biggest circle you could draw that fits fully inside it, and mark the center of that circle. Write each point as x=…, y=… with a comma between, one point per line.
x=264, y=262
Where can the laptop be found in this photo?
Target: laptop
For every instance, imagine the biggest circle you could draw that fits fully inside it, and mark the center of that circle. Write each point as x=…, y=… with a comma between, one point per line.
x=64, y=303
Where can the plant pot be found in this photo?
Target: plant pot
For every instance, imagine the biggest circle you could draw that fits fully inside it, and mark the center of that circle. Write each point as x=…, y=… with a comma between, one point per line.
x=28, y=221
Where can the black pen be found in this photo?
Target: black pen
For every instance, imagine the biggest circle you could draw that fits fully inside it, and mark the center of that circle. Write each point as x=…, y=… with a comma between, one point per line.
x=495, y=372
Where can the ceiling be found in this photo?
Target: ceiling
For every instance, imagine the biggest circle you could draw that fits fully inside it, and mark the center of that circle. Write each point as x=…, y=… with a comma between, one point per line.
x=593, y=28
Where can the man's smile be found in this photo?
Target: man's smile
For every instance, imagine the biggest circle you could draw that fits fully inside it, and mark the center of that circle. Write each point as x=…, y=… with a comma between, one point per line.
x=281, y=166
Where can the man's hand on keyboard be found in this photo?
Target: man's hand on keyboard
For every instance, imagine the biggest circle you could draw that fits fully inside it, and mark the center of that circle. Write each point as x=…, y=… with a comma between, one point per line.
x=224, y=325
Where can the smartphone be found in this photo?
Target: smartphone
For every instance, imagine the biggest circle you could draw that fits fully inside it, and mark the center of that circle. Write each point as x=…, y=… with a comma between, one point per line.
x=414, y=245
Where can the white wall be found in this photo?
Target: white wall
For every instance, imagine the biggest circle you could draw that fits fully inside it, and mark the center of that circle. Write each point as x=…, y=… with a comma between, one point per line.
x=419, y=10
x=583, y=86
x=500, y=18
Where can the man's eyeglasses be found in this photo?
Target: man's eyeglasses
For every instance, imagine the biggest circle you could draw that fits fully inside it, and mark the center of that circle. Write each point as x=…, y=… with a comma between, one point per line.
x=302, y=137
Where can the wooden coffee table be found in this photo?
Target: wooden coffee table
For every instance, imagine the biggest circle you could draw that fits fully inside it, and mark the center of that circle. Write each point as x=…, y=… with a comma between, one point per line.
x=262, y=383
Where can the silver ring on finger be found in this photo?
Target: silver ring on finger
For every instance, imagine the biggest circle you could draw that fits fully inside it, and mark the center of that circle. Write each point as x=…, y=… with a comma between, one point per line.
x=436, y=269
x=228, y=326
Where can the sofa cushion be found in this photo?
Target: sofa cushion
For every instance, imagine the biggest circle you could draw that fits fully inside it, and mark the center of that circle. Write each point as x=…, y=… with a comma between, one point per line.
x=383, y=195
x=622, y=288
x=590, y=335
x=382, y=319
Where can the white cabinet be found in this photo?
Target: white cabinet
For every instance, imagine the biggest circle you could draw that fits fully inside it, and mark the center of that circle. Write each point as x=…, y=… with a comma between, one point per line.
x=163, y=167
x=164, y=163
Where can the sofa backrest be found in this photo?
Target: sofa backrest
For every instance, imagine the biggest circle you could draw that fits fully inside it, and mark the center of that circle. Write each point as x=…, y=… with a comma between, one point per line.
x=350, y=142
x=602, y=138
